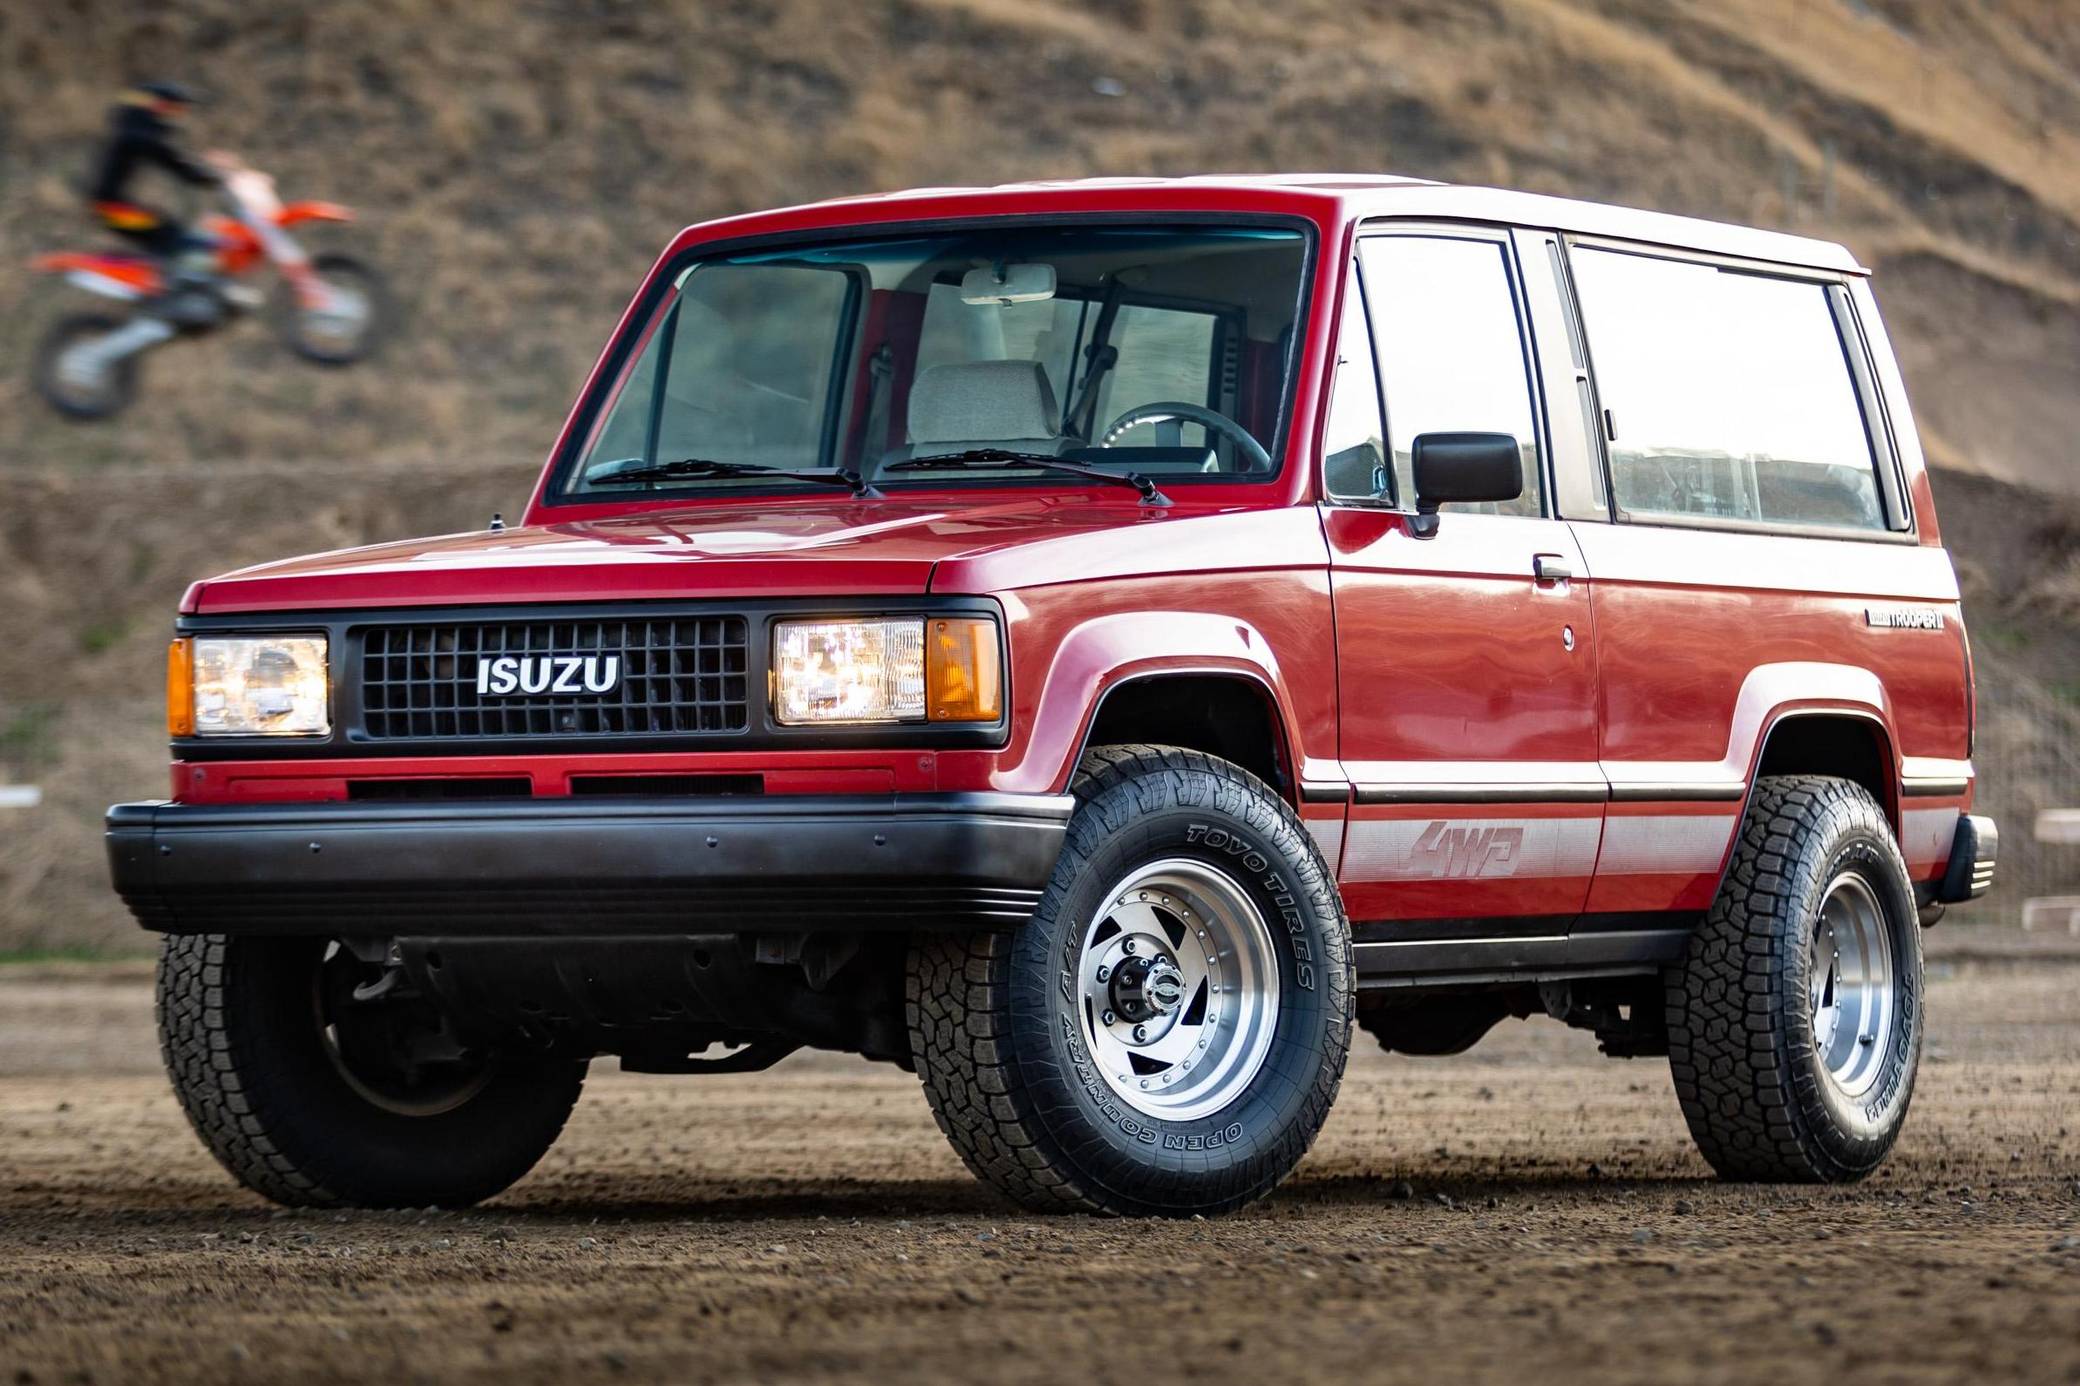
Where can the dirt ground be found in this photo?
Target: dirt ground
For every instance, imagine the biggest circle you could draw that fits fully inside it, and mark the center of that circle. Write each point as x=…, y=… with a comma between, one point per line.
x=1526, y=1211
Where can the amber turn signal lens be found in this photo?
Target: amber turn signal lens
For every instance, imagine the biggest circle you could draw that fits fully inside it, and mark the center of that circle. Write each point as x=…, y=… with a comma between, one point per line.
x=964, y=673
x=180, y=688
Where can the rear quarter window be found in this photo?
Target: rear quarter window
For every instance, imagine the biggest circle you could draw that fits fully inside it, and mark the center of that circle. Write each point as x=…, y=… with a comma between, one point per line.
x=1729, y=395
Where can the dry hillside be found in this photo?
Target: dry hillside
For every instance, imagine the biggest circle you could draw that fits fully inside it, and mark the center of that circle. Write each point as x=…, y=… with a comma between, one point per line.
x=519, y=164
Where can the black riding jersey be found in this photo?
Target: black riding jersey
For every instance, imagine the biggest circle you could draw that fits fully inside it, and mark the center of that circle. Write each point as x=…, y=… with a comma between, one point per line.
x=140, y=137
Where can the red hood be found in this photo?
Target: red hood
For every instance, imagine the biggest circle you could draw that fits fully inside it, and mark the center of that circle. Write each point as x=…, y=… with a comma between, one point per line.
x=763, y=548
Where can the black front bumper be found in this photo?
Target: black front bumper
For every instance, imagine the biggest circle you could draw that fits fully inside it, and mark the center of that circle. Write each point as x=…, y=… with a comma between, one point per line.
x=565, y=867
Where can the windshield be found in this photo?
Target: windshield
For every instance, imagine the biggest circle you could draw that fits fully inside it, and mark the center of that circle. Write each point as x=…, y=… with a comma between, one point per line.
x=1159, y=351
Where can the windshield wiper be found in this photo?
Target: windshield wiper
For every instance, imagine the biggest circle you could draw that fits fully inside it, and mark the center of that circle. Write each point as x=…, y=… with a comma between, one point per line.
x=1006, y=457
x=697, y=468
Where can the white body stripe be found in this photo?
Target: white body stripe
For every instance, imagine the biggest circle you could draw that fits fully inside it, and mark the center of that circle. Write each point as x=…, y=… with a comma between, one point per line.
x=1927, y=834
x=1657, y=844
x=1328, y=837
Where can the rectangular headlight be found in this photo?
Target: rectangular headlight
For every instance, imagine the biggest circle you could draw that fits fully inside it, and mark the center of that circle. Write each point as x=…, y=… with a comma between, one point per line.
x=849, y=671
x=888, y=669
x=261, y=685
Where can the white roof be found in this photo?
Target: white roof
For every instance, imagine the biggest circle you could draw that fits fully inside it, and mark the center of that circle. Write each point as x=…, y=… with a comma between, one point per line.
x=1368, y=195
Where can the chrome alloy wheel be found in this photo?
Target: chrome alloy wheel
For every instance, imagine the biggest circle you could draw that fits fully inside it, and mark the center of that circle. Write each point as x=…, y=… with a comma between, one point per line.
x=1178, y=986
x=1852, y=985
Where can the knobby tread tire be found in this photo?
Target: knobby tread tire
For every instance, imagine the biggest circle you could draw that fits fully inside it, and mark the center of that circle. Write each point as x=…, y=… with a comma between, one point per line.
x=1744, y=1067
x=259, y=1115
x=958, y=1005
x=210, y=1073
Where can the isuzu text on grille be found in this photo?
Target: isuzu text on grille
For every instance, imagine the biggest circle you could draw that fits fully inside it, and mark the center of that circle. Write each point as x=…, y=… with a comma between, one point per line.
x=501, y=675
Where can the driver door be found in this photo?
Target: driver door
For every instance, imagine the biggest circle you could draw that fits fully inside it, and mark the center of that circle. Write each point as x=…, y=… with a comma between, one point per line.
x=1465, y=669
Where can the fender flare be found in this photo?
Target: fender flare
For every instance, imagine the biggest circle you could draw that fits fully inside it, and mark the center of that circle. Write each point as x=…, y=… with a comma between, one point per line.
x=1774, y=694
x=1106, y=653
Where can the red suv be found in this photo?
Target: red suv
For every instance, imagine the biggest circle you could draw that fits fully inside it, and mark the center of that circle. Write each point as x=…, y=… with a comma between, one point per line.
x=1091, y=643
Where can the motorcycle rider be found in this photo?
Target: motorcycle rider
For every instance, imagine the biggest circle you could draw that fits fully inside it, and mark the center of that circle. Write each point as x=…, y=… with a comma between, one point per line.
x=142, y=133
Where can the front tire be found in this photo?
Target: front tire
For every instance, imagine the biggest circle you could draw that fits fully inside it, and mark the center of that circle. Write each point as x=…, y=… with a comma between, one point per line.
x=312, y=1096
x=346, y=330
x=1167, y=1033
x=1794, y=1024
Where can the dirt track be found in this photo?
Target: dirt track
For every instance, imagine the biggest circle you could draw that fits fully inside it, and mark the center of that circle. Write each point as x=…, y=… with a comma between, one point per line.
x=1529, y=1211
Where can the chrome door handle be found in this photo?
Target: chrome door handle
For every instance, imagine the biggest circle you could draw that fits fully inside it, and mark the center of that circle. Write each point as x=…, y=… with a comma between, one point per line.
x=1550, y=568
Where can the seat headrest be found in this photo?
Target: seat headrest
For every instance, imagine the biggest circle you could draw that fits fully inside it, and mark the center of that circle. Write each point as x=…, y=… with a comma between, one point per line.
x=982, y=400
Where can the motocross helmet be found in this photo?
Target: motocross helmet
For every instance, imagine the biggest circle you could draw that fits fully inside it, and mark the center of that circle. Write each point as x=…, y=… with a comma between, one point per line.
x=165, y=94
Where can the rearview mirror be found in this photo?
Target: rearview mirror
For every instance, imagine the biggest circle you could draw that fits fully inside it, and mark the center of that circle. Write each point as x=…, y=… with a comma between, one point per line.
x=1005, y=284
x=1462, y=467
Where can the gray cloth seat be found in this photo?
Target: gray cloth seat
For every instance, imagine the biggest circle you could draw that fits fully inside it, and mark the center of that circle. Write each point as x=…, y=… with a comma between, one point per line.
x=982, y=404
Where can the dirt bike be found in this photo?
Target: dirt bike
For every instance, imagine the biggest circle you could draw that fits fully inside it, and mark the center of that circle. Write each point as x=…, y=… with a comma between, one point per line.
x=327, y=308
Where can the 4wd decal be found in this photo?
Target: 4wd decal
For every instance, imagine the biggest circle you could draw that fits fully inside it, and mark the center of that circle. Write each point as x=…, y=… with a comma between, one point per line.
x=1471, y=849
x=1488, y=850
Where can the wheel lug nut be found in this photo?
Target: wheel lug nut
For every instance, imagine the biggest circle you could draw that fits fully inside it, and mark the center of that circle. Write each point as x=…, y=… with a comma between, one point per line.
x=1104, y=972
x=1140, y=1034
x=1127, y=947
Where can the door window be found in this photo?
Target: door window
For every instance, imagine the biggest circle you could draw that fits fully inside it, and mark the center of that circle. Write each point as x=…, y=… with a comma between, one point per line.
x=1451, y=351
x=1353, y=443
x=1729, y=395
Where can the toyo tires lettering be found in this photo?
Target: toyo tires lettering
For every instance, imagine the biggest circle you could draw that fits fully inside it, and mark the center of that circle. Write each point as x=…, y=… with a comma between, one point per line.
x=1257, y=862
x=1234, y=844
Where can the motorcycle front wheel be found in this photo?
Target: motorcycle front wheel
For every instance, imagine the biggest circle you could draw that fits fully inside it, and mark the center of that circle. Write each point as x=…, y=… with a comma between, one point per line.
x=347, y=324
x=71, y=380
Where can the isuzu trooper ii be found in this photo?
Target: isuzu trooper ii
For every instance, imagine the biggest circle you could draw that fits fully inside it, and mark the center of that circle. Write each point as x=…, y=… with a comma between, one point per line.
x=1092, y=644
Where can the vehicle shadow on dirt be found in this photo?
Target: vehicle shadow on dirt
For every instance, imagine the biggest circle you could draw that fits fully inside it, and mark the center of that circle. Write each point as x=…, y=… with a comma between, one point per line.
x=781, y=1200
x=880, y=1203
x=784, y=1200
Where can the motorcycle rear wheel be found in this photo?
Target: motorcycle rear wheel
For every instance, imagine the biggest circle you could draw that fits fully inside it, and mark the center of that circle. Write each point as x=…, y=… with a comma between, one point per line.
x=72, y=392
x=342, y=338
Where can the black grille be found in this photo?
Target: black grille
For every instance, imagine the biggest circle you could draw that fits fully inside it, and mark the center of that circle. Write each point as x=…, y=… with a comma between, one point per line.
x=420, y=682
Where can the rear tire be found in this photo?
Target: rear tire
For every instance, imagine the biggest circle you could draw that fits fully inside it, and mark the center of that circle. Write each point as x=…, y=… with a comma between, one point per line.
x=312, y=1116
x=1794, y=1024
x=112, y=391
x=1034, y=1062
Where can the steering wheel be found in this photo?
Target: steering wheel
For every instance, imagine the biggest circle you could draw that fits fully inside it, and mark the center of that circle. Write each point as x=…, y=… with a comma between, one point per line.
x=1175, y=414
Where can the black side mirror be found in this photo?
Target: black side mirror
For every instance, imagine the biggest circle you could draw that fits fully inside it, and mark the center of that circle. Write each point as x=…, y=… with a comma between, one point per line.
x=1462, y=467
